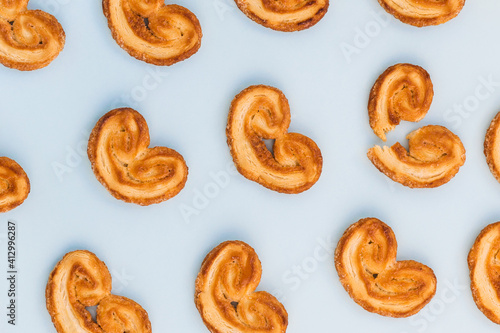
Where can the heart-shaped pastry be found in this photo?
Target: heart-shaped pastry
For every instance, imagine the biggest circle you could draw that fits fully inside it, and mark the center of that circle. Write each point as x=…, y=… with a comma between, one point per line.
x=153, y=32
x=288, y=15
x=401, y=92
x=29, y=39
x=492, y=146
x=484, y=268
x=225, y=293
x=365, y=259
x=434, y=157
x=119, y=154
x=422, y=13
x=14, y=184
x=262, y=112
x=81, y=280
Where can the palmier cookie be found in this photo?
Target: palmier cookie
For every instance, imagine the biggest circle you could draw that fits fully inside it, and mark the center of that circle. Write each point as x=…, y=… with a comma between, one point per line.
x=434, y=157
x=262, y=112
x=225, y=293
x=29, y=39
x=290, y=15
x=401, y=92
x=153, y=32
x=422, y=13
x=492, y=146
x=81, y=280
x=14, y=184
x=484, y=270
x=119, y=154
x=365, y=259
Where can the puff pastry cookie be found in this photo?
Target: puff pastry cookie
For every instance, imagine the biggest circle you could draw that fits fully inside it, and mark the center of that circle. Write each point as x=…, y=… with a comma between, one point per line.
x=262, y=112
x=14, y=184
x=81, y=280
x=289, y=15
x=153, y=32
x=401, y=92
x=492, y=146
x=119, y=154
x=29, y=39
x=365, y=259
x=422, y=13
x=225, y=293
x=434, y=156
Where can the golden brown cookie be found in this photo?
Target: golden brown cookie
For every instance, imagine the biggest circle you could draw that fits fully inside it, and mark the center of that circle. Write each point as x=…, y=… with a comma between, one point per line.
x=288, y=15
x=153, y=32
x=14, y=184
x=119, y=154
x=492, y=146
x=365, y=259
x=262, y=112
x=225, y=293
x=81, y=280
x=29, y=39
x=422, y=13
x=401, y=92
x=434, y=156
x=484, y=268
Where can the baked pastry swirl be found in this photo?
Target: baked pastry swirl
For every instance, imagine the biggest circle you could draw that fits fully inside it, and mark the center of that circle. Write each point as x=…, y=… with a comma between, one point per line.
x=401, y=92
x=287, y=15
x=434, y=156
x=153, y=32
x=81, y=280
x=14, y=184
x=29, y=39
x=365, y=259
x=422, y=13
x=225, y=293
x=119, y=154
x=492, y=146
x=262, y=112
x=484, y=268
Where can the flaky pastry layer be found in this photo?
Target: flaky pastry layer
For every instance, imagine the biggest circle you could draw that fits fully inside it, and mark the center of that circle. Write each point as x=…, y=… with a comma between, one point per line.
x=434, y=157
x=121, y=160
x=81, y=280
x=401, y=92
x=365, y=259
x=484, y=268
x=262, y=112
x=284, y=15
x=423, y=12
x=153, y=32
x=225, y=293
x=492, y=147
x=29, y=39
x=14, y=184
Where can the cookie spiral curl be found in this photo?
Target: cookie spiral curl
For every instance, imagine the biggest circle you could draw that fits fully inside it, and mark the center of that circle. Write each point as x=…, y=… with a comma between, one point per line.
x=262, y=112
x=153, y=32
x=29, y=39
x=484, y=268
x=492, y=147
x=225, y=293
x=434, y=157
x=422, y=13
x=123, y=163
x=81, y=280
x=14, y=184
x=401, y=92
x=365, y=259
x=284, y=15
